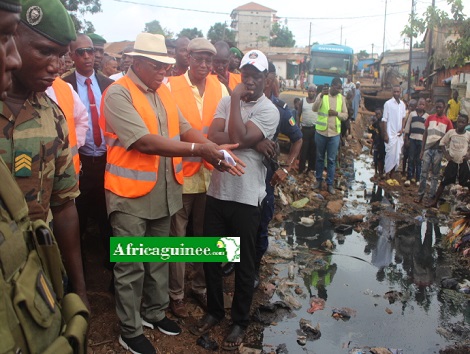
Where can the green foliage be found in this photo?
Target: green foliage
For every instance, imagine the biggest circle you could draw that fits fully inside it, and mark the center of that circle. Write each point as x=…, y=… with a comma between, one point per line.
x=362, y=55
x=419, y=45
x=220, y=32
x=459, y=50
x=281, y=36
x=156, y=28
x=78, y=8
x=191, y=33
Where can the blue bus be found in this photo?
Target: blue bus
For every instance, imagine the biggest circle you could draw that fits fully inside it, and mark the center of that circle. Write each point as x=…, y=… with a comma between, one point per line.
x=328, y=61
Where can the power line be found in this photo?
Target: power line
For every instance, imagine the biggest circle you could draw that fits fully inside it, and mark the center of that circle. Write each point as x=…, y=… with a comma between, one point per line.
x=228, y=14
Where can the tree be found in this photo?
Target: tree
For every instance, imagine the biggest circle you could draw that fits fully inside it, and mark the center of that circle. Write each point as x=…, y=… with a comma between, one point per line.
x=191, y=33
x=459, y=24
x=155, y=28
x=419, y=45
x=220, y=32
x=362, y=55
x=281, y=36
x=77, y=8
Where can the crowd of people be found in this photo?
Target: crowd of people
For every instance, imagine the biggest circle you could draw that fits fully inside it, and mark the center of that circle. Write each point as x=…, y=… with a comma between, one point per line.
x=179, y=133
x=420, y=135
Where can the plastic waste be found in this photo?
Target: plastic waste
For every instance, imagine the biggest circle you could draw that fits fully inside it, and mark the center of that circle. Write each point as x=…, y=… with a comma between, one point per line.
x=298, y=204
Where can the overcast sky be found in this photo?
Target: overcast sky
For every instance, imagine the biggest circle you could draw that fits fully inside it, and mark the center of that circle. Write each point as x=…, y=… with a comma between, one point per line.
x=356, y=23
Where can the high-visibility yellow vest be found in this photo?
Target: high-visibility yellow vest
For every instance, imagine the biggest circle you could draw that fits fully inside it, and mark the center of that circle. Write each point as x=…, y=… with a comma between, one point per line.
x=322, y=122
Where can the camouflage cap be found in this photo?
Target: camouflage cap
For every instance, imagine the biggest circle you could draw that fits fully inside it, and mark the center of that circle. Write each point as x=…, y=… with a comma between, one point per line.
x=50, y=19
x=96, y=39
x=10, y=5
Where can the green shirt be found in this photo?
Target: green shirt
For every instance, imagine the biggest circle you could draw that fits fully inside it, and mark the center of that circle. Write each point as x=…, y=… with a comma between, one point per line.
x=35, y=147
x=122, y=119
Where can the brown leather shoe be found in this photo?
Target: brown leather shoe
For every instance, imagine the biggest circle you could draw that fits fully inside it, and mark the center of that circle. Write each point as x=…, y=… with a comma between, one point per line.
x=178, y=308
x=204, y=325
x=201, y=299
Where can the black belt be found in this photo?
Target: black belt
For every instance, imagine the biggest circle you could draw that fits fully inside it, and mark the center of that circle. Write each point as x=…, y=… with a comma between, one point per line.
x=308, y=126
x=92, y=159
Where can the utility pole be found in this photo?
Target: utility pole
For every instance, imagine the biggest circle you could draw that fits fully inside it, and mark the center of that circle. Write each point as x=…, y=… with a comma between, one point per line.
x=372, y=54
x=411, y=48
x=430, y=49
x=309, y=36
x=385, y=23
x=341, y=36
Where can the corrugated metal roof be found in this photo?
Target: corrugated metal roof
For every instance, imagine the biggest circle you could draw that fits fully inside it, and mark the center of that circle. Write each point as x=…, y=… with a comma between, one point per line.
x=117, y=47
x=253, y=6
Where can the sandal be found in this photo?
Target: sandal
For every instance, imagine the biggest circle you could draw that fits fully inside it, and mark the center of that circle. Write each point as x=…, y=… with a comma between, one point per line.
x=234, y=339
x=204, y=326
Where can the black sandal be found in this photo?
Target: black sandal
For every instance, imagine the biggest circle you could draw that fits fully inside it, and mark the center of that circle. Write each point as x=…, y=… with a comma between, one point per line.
x=234, y=339
x=204, y=326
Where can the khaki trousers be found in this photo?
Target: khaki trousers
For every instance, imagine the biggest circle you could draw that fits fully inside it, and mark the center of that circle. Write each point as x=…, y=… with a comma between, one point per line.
x=196, y=204
x=141, y=289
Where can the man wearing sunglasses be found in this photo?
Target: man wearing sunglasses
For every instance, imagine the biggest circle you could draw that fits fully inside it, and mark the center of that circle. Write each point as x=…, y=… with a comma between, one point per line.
x=197, y=94
x=89, y=84
x=146, y=134
x=34, y=138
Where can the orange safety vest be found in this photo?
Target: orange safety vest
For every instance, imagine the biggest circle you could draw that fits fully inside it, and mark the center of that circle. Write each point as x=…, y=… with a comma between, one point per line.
x=130, y=173
x=184, y=98
x=63, y=92
x=234, y=80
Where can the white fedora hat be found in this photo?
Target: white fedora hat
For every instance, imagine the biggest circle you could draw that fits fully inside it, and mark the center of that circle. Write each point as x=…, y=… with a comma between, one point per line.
x=151, y=46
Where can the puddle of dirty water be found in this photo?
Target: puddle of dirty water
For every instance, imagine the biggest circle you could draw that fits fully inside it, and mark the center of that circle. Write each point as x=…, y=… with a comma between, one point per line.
x=358, y=273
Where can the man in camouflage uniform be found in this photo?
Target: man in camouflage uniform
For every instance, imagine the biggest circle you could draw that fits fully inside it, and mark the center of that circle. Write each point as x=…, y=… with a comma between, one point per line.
x=33, y=132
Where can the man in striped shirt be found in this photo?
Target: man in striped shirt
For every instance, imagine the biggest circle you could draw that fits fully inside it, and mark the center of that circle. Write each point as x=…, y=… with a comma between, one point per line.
x=414, y=131
x=435, y=128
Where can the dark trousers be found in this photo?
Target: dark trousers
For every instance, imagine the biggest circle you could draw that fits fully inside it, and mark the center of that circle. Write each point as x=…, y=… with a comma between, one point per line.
x=414, y=163
x=308, y=152
x=91, y=202
x=226, y=218
x=267, y=213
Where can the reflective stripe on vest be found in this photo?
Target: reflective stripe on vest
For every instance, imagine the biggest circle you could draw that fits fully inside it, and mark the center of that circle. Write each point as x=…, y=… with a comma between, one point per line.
x=130, y=173
x=322, y=123
x=184, y=97
x=63, y=92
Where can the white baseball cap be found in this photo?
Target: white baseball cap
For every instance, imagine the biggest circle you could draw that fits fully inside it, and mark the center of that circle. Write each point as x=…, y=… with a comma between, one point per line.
x=255, y=58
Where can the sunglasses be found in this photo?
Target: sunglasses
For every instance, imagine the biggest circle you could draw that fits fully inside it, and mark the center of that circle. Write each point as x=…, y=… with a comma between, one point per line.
x=158, y=66
x=200, y=60
x=81, y=51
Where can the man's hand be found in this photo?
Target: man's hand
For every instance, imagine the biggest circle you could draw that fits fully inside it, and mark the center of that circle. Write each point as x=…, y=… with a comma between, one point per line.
x=324, y=91
x=236, y=170
x=279, y=176
x=332, y=112
x=241, y=92
x=266, y=147
x=386, y=139
x=223, y=80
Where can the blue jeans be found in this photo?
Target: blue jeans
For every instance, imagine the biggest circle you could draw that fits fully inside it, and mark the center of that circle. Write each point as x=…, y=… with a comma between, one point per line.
x=431, y=161
x=330, y=145
x=414, y=164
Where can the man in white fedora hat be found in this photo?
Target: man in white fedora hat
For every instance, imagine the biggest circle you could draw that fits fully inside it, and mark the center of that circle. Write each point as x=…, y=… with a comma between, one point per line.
x=146, y=135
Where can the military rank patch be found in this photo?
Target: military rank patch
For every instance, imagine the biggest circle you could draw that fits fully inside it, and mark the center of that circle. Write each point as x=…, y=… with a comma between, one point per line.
x=292, y=121
x=23, y=162
x=46, y=291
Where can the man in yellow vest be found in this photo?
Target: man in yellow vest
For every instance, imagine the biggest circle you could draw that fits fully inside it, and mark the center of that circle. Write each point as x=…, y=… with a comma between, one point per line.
x=76, y=115
x=145, y=134
x=197, y=94
x=331, y=108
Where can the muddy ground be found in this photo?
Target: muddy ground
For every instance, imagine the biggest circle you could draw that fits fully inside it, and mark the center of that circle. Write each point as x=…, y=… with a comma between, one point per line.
x=104, y=326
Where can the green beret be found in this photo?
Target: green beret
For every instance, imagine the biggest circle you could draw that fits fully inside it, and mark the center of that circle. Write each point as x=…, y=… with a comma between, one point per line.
x=50, y=19
x=96, y=39
x=10, y=5
x=237, y=52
